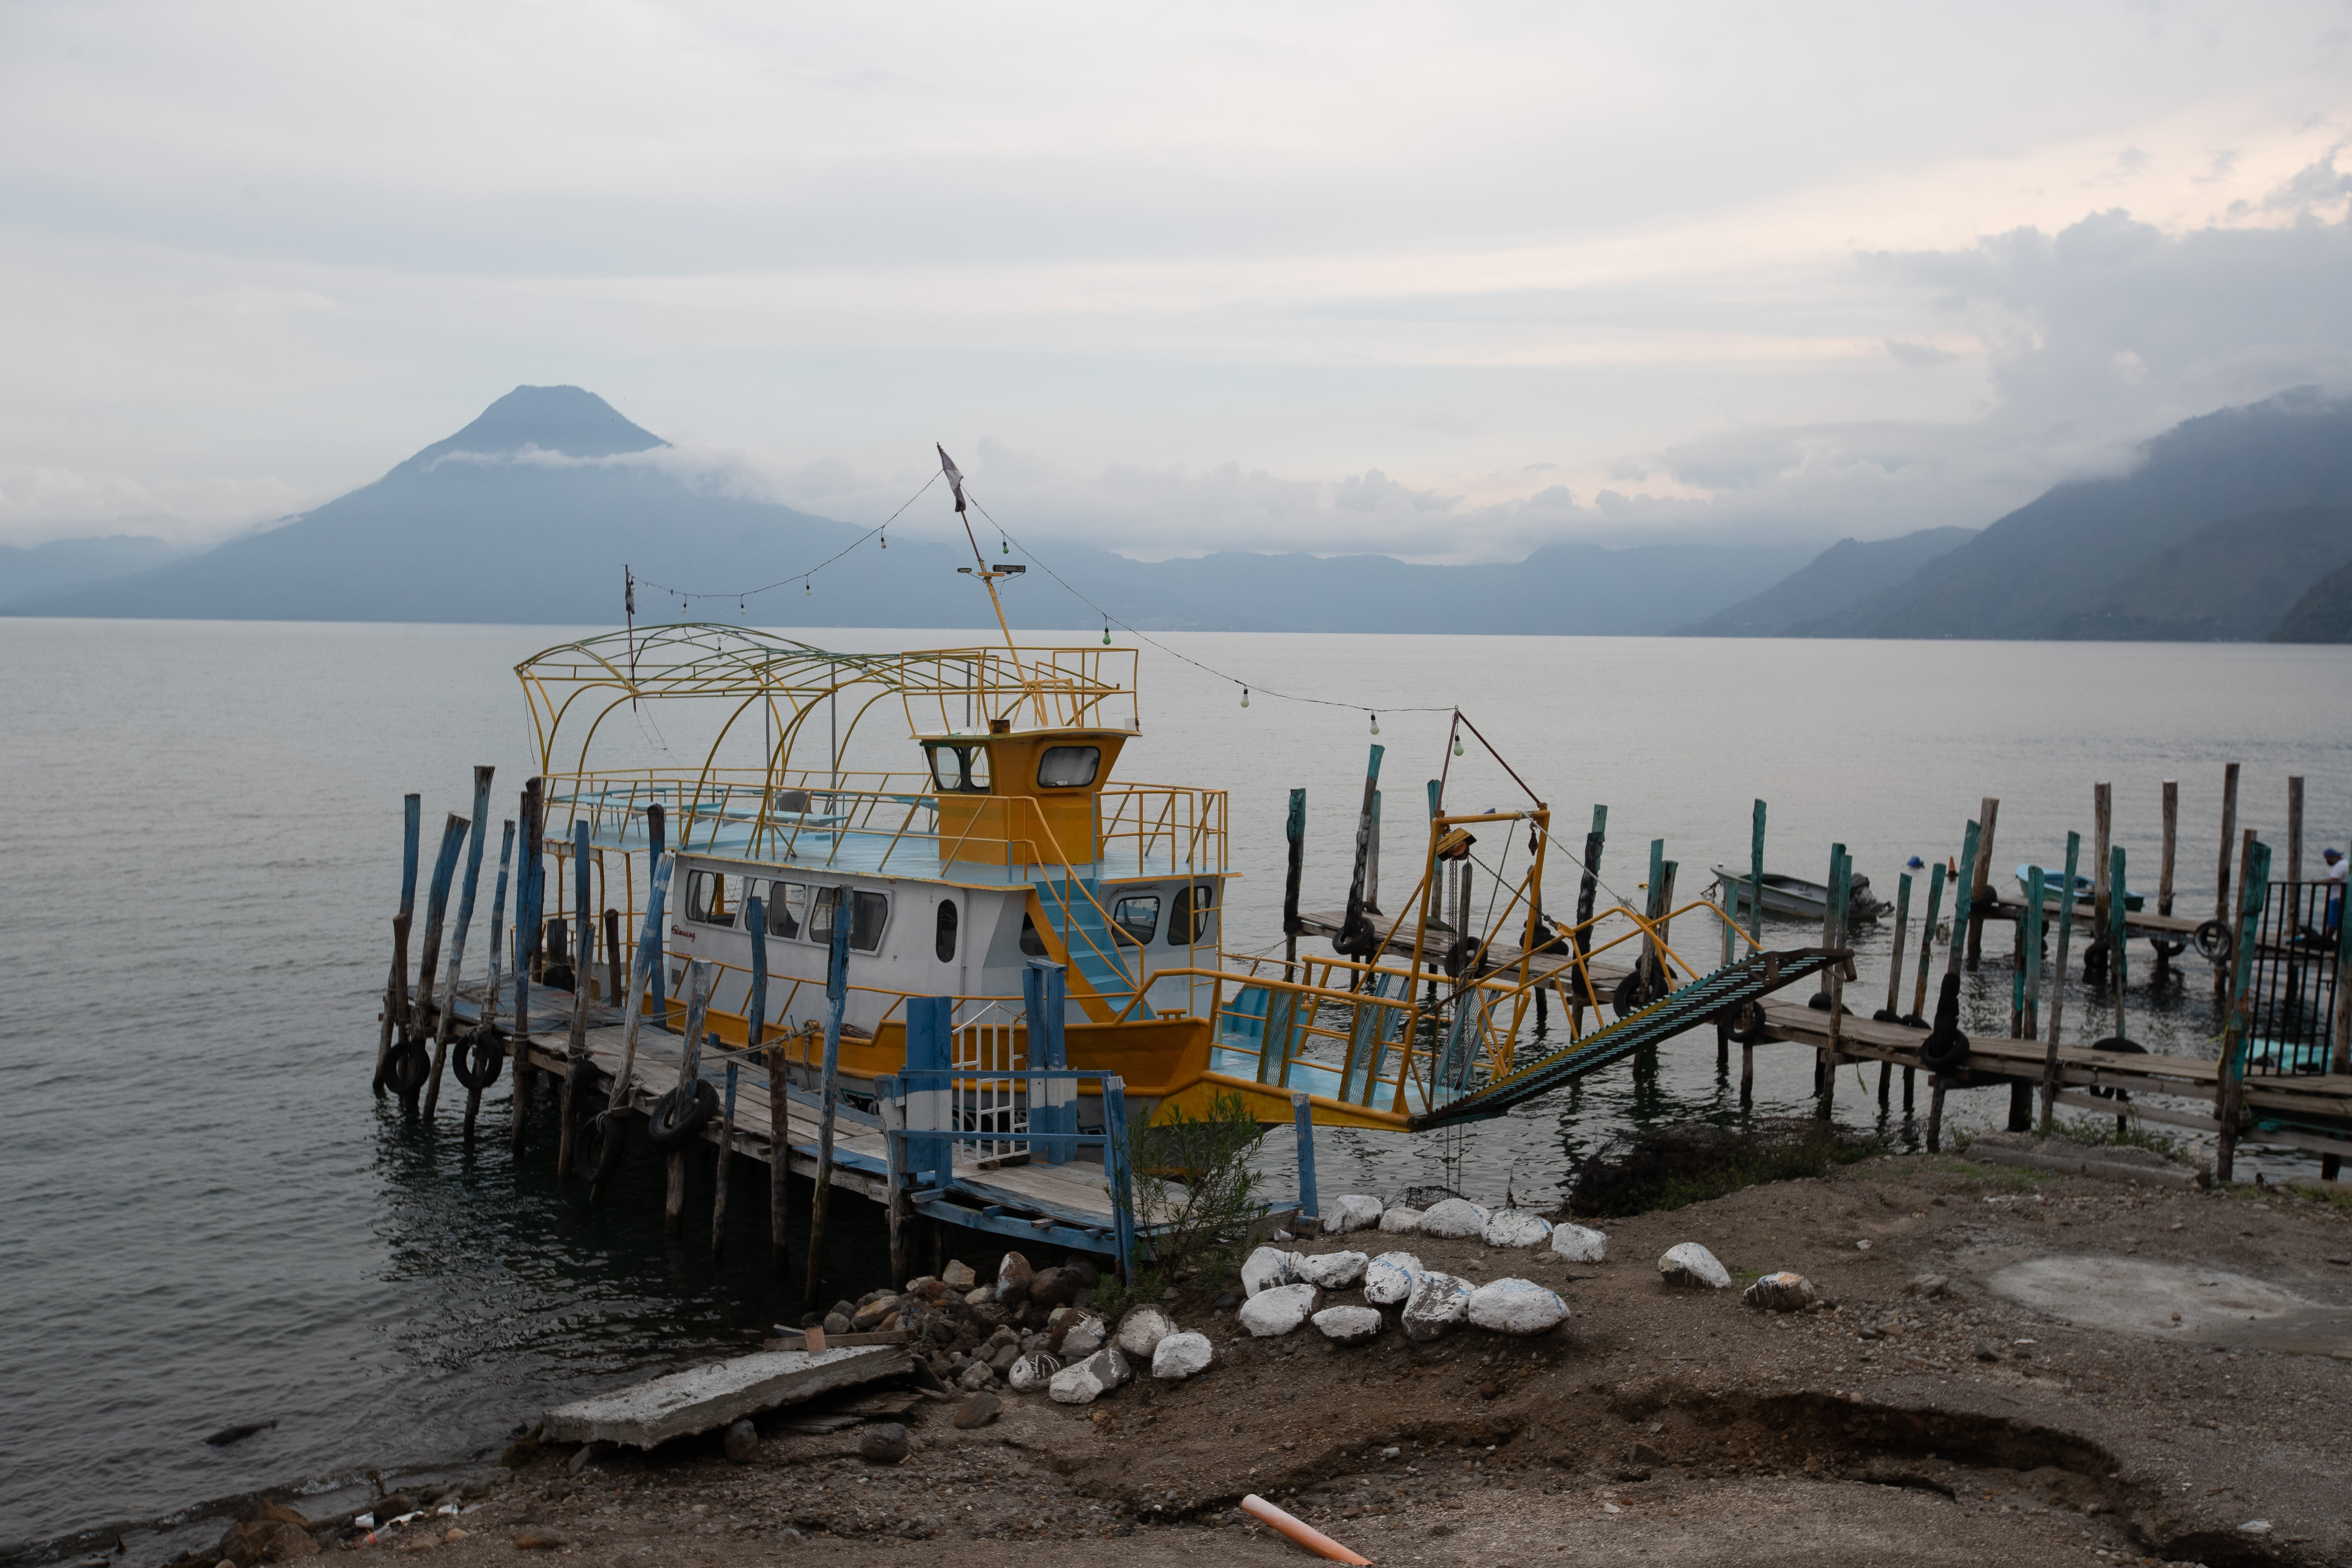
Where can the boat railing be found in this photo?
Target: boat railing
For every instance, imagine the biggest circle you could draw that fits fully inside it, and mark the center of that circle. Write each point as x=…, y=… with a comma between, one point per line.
x=960, y=689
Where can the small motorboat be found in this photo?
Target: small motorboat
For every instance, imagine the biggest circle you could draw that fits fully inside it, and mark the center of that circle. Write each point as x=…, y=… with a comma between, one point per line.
x=1785, y=895
x=2053, y=875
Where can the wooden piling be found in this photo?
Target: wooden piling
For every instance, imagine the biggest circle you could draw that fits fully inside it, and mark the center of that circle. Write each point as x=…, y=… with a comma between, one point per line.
x=2171, y=842
x=644, y=968
x=396, y=986
x=755, y=1027
x=698, y=974
x=726, y=1153
x=837, y=997
x=613, y=982
x=1834, y=924
x=1894, y=964
x=529, y=874
x=1981, y=878
x=657, y=846
x=2102, y=835
x=2065, y=940
x=2222, y=910
x=1971, y=847
x=2253, y=882
x=1935, y=1113
x=1927, y=946
x=446, y=1026
x=583, y=959
x=2295, y=839
x=436, y=910
x=780, y=1160
x=490, y=989
x=1756, y=876
x=1293, y=831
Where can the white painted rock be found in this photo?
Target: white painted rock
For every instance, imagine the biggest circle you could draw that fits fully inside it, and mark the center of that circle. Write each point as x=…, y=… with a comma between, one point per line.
x=1032, y=1372
x=1575, y=1243
x=1355, y=1212
x=1512, y=1227
x=1400, y=1222
x=1090, y=1378
x=1266, y=1267
x=1516, y=1307
x=1140, y=1331
x=1787, y=1292
x=1082, y=1338
x=1438, y=1302
x=1690, y=1264
x=1349, y=1325
x=1182, y=1356
x=1454, y=1216
x=1387, y=1279
x=1329, y=1270
x=1278, y=1311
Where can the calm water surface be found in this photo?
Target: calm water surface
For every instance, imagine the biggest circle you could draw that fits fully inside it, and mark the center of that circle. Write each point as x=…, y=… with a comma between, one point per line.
x=204, y=1217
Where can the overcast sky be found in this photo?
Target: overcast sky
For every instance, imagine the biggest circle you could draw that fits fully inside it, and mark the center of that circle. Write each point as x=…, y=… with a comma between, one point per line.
x=1442, y=281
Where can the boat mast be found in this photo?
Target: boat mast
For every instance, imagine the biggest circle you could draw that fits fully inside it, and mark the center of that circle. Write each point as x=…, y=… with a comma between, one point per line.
x=988, y=579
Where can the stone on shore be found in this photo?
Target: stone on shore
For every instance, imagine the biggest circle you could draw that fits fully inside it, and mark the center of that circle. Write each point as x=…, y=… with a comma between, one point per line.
x=1329, y=1270
x=1032, y=1372
x=1453, y=1217
x=1515, y=1228
x=1517, y=1307
x=977, y=1411
x=266, y=1533
x=1400, y=1222
x=1387, y=1279
x=1055, y=1287
x=1692, y=1265
x=959, y=1276
x=1180, y=1355
x=1357, y=1211
x=1438, y=1303
x=708, y=1398
x=977, y=1377
x=1082, y=1338
x=539, y=1537
x=1349, y=1325
x=1265, y=1269
x=1787, y=1292
x=1140, y=1331
x=1579, y=1244
x=1012, y=1277
x=1090, y=1378
x=741, y=1444
x=884, y=1445
x=1278, y=1311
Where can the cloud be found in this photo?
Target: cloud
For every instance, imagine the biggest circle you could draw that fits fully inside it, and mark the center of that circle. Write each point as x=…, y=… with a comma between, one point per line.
x=1918, y=356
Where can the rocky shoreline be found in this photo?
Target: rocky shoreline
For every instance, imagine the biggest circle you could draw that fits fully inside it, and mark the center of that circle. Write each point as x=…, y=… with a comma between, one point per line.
x=1890, y=1369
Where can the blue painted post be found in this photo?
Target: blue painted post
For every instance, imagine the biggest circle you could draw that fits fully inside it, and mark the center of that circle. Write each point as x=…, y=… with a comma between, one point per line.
x=1053, y=1103
x=1833, y=921
x=436, y=910
x=1756, y=876
x=1119, y=1172
x=656, y=835
x=584, y=966
x=1928, y=946
x=930, y=1020
x=526, y=950
x=1960, y=896
x=396, y=987
x=1588, y=887
x=1307, y=1207
x=1293, y=831
x=1894, y=964
x=2065, y=940
x=700, y=973
x=474, y=842
x=836, y=997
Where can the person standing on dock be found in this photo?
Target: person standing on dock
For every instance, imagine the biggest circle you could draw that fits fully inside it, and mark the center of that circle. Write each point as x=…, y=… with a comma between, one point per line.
x=2333, y=875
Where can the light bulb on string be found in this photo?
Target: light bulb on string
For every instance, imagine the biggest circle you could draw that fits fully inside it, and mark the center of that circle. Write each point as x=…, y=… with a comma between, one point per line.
x=1376, y=723
x=1106, y=636
x=1245, y=696
x=1457, y=742
x=886, y=541
x=1003, y=546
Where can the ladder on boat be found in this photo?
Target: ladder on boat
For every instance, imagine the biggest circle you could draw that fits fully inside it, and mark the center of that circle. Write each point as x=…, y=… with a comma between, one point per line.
x=1074, y=908
x=1701, y=1002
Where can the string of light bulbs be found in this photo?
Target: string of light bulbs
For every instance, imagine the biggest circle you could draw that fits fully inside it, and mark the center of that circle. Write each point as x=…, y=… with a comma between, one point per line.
x=743, y=596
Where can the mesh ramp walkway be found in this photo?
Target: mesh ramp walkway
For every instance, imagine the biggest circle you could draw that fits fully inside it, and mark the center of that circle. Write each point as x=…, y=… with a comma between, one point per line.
x=1700, y=1002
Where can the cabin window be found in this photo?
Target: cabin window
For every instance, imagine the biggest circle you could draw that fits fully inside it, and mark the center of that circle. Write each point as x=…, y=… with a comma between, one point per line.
x=1188, y=922
x=1031, y=943
x=792, y=803
x=1069, y=767
x=944, y=935
x=707, y=900
x=1135, y=918
x=868, y=913
x=960, y=770
x=787, y=906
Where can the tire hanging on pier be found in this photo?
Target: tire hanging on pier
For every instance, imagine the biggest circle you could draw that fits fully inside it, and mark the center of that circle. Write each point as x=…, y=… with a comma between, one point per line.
x=681, y=1114
x=408, y=1066
x=481, y=1053
x=1745, y=1022
x=1945, y=1048
x=600, y=1145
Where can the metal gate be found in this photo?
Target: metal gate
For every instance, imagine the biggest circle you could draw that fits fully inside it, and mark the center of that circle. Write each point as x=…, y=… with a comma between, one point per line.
x=2295, y=1013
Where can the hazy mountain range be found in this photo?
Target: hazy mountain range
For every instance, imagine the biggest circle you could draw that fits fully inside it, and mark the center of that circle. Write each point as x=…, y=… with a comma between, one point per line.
x=529, y=513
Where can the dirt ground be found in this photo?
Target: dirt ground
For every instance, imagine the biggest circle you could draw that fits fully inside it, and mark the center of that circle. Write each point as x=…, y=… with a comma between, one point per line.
x=2044, y=1405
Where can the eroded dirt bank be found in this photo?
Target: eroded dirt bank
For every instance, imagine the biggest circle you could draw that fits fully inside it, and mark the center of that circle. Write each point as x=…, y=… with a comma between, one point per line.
x=2043, y=1404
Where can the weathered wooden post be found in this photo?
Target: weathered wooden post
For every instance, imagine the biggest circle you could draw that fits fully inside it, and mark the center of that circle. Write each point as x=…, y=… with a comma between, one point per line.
x=1980, y=899
x=755, y=1025
x=2036, y=914
x=1053, y=1101
x=1756, y=876
x=1834, y=923
x=530, y=874
x=1119, y=1170
x=2114, y=912
x=1895, y=963
x=1963, y=894
x=613, y=981
x=2255, y=885
x=2171, y=843
x=1927, y=947
x=490, y=987
x=837, y=998
x=1295, y=831
x=2224, y=910
x=436, y=910
x=2065, y=940
x=719, y=1179
x=890, y=1109
x=656, y=835
x=930, y=1024
x=698, y=974
x=780, y=1155
x=2294, y=844
x=396, y=987
x=1588, y=887
x=645, y=966
x=583, y=960
x=448, y=1023
x=1935, y=1113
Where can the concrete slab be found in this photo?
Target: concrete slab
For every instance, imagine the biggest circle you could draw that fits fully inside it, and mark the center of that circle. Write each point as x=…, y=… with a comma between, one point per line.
x=704, y=1398
x=2176, y=1301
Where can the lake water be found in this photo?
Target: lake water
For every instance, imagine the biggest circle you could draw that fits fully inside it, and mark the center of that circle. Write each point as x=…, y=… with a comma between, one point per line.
x=205, y=1218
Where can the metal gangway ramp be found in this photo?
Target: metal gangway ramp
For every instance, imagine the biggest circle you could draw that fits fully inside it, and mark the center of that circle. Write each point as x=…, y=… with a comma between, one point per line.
x=1718, y=995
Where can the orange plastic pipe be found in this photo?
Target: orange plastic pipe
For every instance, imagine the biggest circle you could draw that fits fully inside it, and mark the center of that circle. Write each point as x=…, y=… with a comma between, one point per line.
x=1307, y=1535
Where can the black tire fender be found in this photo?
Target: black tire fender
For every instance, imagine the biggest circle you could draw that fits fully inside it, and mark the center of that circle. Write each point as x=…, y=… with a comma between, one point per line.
x=2213, y=940
x=481, y=1053
x=406, y=1070
x=680, y=1114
